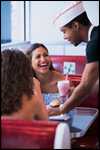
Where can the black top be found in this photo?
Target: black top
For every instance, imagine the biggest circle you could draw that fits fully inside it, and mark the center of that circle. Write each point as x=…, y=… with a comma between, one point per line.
x=92, y=48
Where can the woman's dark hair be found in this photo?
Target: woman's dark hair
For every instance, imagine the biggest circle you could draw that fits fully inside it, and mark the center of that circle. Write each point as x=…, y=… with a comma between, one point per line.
x=32, y=48
x=82, y=19
x=16, y=80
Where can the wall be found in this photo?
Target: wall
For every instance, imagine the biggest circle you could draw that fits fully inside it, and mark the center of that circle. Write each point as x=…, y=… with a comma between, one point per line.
x=43, y=30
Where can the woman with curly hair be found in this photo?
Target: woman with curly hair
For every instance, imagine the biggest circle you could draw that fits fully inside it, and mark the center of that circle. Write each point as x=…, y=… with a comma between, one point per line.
x=20, y=91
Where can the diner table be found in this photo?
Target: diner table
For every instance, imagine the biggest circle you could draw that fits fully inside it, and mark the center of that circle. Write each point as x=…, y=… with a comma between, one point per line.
x=89, y=140
x=83, y=124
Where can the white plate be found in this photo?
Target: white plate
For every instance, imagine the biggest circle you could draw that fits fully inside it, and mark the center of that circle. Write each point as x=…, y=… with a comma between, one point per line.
x=59, y=117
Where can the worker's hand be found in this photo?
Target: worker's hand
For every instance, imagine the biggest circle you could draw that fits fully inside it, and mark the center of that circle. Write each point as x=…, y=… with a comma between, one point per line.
x=53, y=110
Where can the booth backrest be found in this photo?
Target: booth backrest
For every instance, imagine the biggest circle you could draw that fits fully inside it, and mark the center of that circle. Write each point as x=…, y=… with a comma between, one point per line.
x=58, y=62
x=33, y=135
x=93, y=97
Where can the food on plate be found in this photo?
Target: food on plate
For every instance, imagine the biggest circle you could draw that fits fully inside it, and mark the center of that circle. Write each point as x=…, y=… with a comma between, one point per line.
x=55, y=103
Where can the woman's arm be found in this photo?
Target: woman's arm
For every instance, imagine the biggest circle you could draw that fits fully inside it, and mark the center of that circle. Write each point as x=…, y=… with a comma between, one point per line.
x=40, y=108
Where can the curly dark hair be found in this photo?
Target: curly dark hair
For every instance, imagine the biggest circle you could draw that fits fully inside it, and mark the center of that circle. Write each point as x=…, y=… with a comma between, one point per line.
x=16, y=80
x=32, y=48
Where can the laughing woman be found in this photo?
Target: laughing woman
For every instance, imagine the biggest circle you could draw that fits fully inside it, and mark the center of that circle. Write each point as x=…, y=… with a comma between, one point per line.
x=44, y=71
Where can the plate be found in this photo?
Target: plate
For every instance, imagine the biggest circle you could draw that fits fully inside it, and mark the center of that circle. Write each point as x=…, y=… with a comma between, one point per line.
x=62, y=117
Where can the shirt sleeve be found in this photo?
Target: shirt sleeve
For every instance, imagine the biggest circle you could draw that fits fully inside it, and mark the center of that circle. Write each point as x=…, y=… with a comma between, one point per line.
x=92, y=49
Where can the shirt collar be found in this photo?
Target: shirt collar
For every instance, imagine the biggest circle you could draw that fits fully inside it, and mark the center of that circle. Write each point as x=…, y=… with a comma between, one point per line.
x=89, y=33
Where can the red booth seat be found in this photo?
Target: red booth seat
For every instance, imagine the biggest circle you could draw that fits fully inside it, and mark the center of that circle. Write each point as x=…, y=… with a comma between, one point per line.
x=34, y=134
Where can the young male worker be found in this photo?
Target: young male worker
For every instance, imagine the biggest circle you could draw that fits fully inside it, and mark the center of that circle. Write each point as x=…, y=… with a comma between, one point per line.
x=76, y=27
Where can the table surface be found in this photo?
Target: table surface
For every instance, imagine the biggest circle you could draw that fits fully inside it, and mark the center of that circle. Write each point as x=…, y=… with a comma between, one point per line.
x=84, y=132
x=89, y=140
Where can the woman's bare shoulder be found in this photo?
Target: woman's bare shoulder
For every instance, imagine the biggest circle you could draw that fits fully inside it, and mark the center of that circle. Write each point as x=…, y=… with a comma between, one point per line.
x=58, y=75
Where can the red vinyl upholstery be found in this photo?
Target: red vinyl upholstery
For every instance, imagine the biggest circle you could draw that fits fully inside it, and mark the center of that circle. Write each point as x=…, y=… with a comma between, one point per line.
x=75, y=79
x=23, y=134
x=58, y=62
x=92, y=99
x=34, y=134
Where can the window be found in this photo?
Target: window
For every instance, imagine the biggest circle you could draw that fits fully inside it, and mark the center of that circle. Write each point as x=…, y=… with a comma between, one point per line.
x=12, y=21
